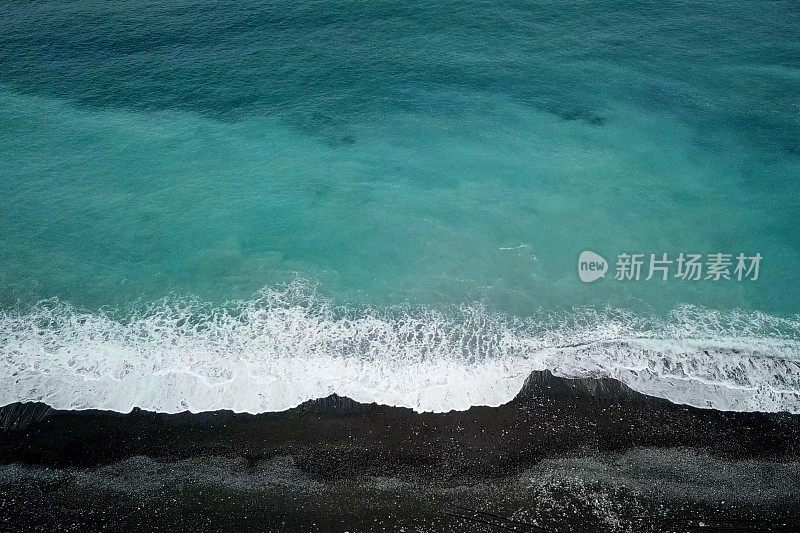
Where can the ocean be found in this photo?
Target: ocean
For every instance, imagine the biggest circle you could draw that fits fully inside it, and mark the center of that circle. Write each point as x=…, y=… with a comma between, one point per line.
x=246, y=205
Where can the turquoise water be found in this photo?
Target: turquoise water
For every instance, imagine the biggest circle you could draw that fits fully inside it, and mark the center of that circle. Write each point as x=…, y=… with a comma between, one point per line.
x=432, y=155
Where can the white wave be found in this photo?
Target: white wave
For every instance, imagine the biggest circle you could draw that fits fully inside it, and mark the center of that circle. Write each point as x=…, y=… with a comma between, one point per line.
x=287, y=346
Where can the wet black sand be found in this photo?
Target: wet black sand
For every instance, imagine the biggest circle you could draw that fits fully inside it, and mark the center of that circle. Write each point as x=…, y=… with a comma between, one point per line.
x=583, y=455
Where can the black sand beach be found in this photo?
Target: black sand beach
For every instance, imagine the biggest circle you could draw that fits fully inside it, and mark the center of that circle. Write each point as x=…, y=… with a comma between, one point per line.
x=564, y=455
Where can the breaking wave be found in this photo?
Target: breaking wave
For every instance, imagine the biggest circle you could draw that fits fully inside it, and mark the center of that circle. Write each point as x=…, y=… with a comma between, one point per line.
x=288, y=345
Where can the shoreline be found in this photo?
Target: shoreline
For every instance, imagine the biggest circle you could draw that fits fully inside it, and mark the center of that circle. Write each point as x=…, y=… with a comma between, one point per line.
x=337, y=465
x=582, y=412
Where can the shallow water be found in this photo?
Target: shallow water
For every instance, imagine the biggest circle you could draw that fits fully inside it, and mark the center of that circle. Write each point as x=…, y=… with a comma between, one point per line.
x=432, y=155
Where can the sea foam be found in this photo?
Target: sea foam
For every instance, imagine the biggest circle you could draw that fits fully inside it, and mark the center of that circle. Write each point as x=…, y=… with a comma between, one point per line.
x=287, y=345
